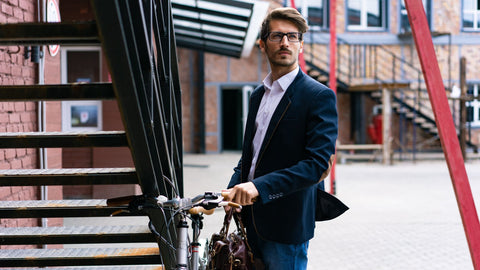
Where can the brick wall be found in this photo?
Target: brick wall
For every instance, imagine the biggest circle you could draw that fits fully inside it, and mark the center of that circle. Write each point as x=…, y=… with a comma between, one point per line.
x=17, y=116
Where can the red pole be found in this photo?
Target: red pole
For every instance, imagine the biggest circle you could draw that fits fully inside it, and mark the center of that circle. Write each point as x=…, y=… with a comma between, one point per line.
x=446, y=128
x=301, y=59
x=333, y=75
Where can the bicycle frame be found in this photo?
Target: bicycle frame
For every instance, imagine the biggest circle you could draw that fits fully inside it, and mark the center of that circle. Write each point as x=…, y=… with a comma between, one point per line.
x=161, y=224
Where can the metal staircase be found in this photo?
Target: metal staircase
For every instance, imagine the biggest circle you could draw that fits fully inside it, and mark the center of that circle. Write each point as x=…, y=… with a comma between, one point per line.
x=362, y=66
x=138, y=41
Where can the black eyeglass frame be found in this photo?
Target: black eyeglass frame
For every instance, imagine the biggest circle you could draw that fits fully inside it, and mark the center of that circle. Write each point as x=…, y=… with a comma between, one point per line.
x=300, y=36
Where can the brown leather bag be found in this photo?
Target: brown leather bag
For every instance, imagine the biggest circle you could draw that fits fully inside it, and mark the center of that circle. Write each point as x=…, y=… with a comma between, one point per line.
x=230, y=251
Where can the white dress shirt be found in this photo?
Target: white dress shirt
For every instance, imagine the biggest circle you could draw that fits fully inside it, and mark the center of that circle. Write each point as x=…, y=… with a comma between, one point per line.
x=274, y=92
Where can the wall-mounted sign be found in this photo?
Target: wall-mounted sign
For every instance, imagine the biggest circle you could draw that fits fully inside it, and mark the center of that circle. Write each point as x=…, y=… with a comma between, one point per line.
x=53, y=16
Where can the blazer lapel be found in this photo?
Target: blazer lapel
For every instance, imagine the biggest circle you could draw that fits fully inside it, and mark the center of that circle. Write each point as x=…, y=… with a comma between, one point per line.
x=255, y=100
x=279, y=113
x=276, y=117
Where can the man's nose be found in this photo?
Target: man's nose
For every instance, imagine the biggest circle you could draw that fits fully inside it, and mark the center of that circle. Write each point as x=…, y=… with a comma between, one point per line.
x=284, y=41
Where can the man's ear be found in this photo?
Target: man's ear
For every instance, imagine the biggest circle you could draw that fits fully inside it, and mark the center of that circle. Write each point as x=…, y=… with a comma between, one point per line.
x=261, y=44
x=301, y=46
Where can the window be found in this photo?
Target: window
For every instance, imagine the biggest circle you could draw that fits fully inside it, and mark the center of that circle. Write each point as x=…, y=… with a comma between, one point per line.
x=471, y=15
x=316, y=12
x=473, y=107
x=405, y=24
x=366, y=14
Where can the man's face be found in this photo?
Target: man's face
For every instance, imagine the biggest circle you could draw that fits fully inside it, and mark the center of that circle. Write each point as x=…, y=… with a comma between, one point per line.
x=283, y=53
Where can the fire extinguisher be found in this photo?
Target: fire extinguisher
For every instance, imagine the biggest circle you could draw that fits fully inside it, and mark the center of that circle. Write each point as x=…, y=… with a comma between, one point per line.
x=375, y=131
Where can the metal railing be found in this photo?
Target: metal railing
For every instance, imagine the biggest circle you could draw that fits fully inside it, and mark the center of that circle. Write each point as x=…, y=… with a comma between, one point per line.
x=362, y=64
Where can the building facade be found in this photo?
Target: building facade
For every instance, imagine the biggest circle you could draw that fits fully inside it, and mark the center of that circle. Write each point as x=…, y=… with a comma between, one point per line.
x=375, y=46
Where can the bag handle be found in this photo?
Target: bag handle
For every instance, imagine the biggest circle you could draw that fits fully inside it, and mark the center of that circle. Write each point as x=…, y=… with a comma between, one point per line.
x=226, y=223
x=241, y=227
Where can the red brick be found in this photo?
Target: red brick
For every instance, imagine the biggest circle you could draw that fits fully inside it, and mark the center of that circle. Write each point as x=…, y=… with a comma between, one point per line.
x=4, y=192
x=29, y=162
x=4, y=68
x=18, y=81
x=7, y=9
x=12, y=20
x=5, y=166
x=19, y=106
x=3, y=18
x=14, y=118
x=26, y=5
x=31, y=106
x=7, y=81
x=13, y=2
x=9, y=154
x=4, y=118
x=28, y=17
x=26, y=117
x=16, y=164
x=16, y=190
x=26, y=72
x=10, y=106
x=21, y=152
x=18, y=13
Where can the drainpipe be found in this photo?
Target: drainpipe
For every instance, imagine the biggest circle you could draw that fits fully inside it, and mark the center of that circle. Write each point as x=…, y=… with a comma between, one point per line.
x=42, y=152
x=201, y=102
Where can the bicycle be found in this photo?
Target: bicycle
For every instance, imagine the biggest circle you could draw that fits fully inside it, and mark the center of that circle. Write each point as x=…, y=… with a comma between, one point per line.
x=185, y=253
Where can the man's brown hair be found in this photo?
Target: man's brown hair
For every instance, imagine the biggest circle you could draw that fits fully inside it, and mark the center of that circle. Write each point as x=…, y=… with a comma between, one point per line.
x=285, y=13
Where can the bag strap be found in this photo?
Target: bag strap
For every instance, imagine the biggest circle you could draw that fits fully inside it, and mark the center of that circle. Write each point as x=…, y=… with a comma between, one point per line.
x=241, y=228
x=226, y=223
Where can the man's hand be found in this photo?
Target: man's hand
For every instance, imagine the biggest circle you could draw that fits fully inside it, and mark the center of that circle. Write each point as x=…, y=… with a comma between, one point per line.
x=243, y=194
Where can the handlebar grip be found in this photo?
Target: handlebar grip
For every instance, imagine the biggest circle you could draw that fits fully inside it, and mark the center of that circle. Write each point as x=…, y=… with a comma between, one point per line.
x=234, y=205
x=198, y=209
x=120, y=200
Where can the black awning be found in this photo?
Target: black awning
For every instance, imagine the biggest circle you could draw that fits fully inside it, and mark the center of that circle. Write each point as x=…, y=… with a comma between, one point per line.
x=225, y=27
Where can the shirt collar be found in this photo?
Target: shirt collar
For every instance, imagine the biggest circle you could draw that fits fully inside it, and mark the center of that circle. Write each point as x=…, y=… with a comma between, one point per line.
x=283, y=81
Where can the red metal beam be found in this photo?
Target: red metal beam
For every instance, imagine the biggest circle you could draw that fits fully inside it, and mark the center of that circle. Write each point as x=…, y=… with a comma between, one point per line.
x=333, y=75
x=446, y=128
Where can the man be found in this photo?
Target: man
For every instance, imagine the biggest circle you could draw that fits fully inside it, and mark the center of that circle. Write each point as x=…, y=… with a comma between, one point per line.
x=289, y=147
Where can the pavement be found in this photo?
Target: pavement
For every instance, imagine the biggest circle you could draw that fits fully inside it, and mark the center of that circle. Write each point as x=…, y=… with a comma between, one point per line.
x=402, y=216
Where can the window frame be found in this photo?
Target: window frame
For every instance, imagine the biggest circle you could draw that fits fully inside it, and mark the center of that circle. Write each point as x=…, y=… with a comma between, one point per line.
x=475, y=105
x=304, y=6
x=427, y=5
x=364, y=18
x=476, y=17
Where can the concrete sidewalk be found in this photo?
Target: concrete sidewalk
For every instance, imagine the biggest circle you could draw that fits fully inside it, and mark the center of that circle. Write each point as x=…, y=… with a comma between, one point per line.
x=402, y=216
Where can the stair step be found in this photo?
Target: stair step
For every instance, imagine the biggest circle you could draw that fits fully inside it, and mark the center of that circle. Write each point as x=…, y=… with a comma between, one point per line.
x=420, y=120
x=84, y=176
x=49, y=33
x=78, y=257
x=76, y=235
x=62, y=139
x=59, y=208
x=115, y=267
x=77, y=91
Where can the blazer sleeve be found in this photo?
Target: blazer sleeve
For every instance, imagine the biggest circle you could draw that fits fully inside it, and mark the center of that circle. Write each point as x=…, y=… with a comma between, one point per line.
x=320, y=138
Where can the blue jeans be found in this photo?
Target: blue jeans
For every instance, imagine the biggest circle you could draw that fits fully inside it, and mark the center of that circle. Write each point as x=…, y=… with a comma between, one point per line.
x=277, y=256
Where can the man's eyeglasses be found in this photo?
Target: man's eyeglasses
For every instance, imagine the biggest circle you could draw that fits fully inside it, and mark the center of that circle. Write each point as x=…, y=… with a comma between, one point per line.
x=291, y=36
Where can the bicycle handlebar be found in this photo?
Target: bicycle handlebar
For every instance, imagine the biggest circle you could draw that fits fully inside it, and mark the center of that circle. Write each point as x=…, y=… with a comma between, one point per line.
x=204, y=203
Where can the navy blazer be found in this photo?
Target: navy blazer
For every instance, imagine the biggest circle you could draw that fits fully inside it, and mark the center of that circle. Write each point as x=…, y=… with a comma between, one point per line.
x=294, y=158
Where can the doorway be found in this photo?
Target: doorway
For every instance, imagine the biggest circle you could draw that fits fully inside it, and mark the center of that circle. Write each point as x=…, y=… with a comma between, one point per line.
x=234, y=105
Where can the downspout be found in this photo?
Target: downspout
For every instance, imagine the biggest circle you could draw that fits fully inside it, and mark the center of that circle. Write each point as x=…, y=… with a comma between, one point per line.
x=201, y=102
x=42, y=152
